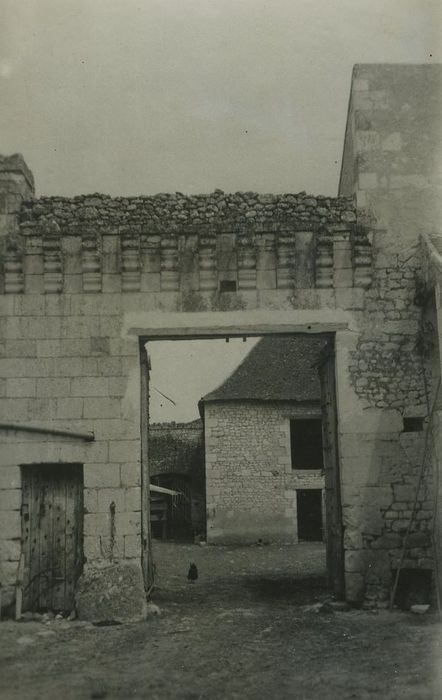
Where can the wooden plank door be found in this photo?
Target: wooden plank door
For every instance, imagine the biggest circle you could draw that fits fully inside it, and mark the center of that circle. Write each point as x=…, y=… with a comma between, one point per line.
x=333, y=515
x=52, y=534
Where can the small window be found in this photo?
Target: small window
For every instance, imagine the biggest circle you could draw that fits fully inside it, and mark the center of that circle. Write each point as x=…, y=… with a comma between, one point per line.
x=227, y=286
x=306, y=443
x=414, y=424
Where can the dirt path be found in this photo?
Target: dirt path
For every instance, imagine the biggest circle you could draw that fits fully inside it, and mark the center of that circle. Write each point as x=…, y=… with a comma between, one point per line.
x=249, y=628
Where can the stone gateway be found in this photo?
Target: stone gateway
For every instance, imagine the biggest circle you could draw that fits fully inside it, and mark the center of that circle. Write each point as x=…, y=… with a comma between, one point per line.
x=86, y=282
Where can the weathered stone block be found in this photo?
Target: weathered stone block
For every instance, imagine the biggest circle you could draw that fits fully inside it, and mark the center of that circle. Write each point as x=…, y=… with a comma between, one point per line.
x=66, y=367
x=419, y=539
x=110, y=326
x=20, y=348
x=101, y=475
x=107, y=496
x=131, y=474
x=90, y=499
x=124, y=450
x=29, y=305
x=10, y=524
x=352, y=538
x=10, y=477
x=132, y=499
x=387, y=541
x=101, y=408
x=52, y=387
x=404, y=492
x=355, y=561
x=343, y=277
x=89, y=386
x=9, y=573
x=97, y=524
x=377, y=496
x=10, y=499
x=115, y=592
x=111, y=283
x=91, y=547
x=150, y=281
x=132, y=546
x=69, y=408
x=20, y=387
x=10, y=550
x=128, y=523
x=266, y=279
x=354, y=587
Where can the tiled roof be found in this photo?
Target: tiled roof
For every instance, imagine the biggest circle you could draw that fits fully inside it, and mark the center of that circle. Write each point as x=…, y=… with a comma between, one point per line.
x=278, y=368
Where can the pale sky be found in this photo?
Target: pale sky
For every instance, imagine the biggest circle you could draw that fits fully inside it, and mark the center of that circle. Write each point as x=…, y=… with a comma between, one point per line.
x=186, y=370
x=143, y=96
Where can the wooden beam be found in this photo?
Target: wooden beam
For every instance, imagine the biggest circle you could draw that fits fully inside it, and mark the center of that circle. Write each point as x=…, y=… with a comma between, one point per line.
x=145, y=478
x=80, y=435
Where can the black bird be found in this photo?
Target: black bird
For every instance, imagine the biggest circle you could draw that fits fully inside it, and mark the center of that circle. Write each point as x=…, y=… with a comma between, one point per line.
x=192, y=574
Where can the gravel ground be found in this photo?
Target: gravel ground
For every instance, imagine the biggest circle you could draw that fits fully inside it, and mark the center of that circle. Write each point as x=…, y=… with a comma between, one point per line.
x=249, y=628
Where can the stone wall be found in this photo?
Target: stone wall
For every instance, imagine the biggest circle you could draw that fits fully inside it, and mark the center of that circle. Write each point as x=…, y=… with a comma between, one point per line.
x=390, y=161
x=65, y=366
x=72, y=297
x=82, y=279
x=172, y=212
x=250, y=483
x=178, y=449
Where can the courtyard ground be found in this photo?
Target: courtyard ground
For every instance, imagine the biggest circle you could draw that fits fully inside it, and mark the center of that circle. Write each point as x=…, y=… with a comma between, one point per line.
x=249, y=628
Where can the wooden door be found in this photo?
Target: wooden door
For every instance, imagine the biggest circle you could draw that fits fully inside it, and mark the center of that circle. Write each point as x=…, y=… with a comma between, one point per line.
x=52, y=535
x=333, y=515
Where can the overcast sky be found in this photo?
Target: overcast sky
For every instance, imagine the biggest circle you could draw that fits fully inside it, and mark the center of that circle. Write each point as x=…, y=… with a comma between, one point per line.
x=187, y=370
x=143, y=96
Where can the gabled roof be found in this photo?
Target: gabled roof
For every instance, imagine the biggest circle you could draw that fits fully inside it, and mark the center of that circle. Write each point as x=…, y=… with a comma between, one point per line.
x=278, y=368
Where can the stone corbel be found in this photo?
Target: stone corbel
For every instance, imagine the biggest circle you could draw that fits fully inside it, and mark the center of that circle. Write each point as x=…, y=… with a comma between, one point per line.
x=130, y=261
x=324, y=260
x=285, y=252
x=13, y=266
x=52, y=258
x=207, y=262
x=246, y=261
x=170, y=276
x=362, y=261
x=90, y=262
x=188, y=261
x=266, y=260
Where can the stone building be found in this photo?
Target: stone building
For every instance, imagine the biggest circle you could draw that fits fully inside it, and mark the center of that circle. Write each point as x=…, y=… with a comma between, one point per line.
x=86, y=281
x=176, y=461
x=263, y=446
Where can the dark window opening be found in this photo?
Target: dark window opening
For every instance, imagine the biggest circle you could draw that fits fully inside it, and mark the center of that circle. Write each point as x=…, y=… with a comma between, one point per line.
x=306, y=443
x=227, y=286
x=414, y=424
x=309, y=514
x=414, y=587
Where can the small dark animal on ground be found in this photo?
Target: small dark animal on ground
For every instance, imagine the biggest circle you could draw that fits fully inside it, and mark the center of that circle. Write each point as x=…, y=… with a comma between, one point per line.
x=192, y=574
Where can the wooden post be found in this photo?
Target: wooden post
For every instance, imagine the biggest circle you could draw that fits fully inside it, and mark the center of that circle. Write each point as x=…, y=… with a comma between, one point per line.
x=146, y=564
x=19, y=587
x=333, y=515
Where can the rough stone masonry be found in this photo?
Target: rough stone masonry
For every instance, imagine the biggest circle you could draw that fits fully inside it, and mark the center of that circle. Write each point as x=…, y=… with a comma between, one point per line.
x=82, y=279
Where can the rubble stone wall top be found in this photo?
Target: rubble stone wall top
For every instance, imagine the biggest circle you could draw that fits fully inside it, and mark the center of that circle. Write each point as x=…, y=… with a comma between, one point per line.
x=174, y=211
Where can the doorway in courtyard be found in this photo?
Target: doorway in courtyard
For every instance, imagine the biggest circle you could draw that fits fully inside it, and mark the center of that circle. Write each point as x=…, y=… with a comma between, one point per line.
x=240, y=442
